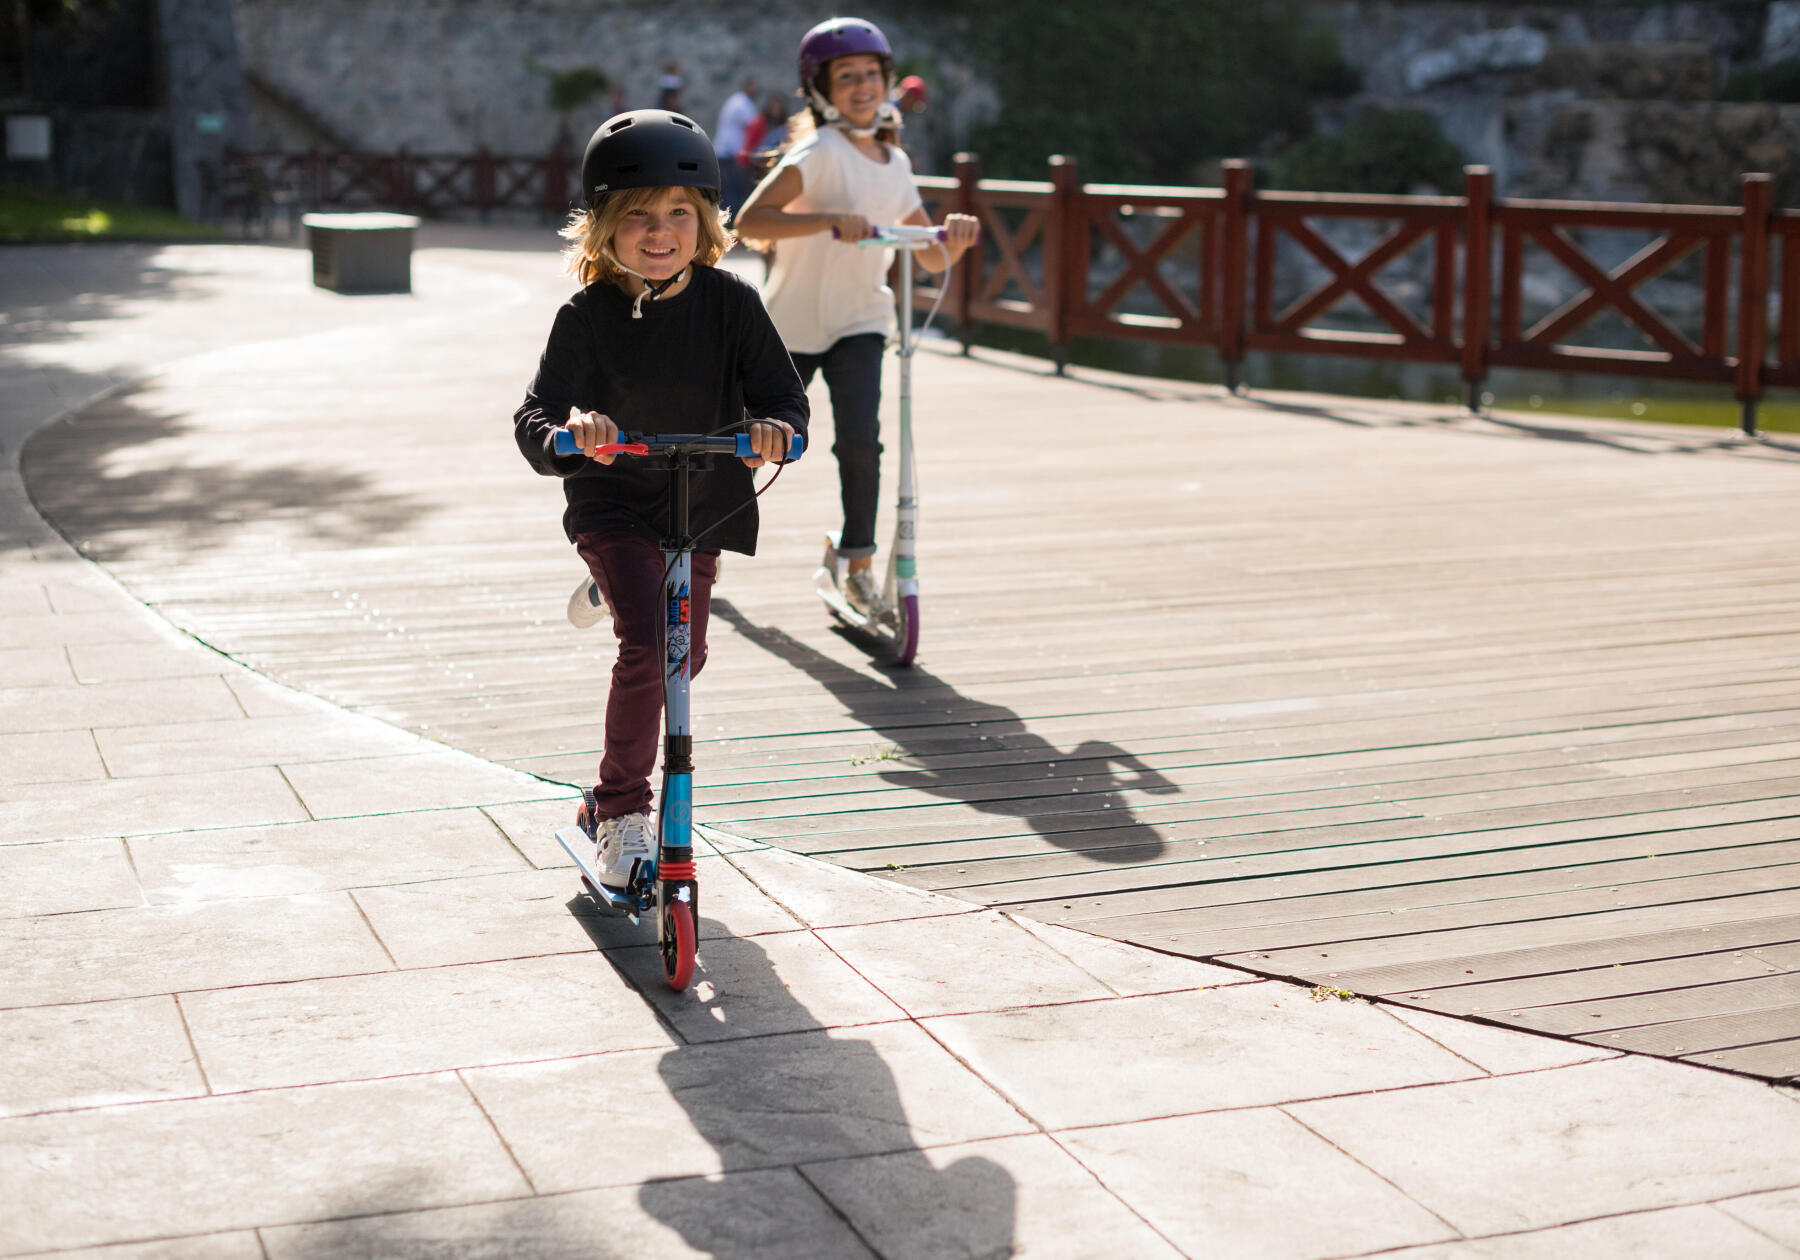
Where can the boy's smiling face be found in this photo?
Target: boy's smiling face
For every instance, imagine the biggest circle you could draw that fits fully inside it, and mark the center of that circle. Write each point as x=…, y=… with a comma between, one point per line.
x=858, y=87
x=658, y=239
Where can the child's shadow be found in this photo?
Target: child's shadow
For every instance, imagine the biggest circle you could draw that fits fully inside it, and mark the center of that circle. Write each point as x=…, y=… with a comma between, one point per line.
x=1072, y=799
x=797, y=1116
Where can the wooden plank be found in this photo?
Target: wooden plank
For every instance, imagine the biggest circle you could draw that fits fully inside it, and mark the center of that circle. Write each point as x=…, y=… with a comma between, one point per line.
x=1435, y=977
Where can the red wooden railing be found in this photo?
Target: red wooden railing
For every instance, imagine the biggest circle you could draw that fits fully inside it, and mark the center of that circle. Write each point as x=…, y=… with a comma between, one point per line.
x=1205, y=266
x=1038, y=269
x=429, y=183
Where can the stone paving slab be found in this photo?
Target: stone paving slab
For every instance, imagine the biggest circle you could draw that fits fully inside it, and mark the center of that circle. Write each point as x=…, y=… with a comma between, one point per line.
x=1694, y=1233
x=1169, y=1054
x=422, y=780
x=1524, y=1152
x=424, y=1020
x=764, y=1215
x=49, y=757
x=96, y=1054
x=239, y=1246
x=971, y=962
x=1247, y=1183
x=177, y=747
x=329, y=855
x=783, y=982
x=1009, y=1196
x=759, y=1102
x=240, y=1161
x=169, y=949
x=1776, y=1214
x=66, y=876
x=175, y=802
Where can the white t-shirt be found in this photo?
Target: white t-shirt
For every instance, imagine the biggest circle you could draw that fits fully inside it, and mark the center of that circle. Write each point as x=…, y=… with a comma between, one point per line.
x=734, y=115
x=820, y=289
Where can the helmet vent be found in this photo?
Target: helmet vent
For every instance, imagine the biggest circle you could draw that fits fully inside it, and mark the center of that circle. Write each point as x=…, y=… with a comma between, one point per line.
x=620, y=125
x=687, y=166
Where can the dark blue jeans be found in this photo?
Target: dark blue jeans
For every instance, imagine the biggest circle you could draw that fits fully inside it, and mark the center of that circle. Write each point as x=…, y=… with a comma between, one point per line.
x=852, y=368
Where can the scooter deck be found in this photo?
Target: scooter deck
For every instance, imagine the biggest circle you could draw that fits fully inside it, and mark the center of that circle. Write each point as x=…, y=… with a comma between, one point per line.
x=881, y=626
x=574, y=841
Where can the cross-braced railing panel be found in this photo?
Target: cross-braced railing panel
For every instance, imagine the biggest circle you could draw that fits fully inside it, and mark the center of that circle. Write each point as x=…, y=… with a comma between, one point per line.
x=1153, y=253
x=1005, y=287
x=1420, y=231
x=1610, y=304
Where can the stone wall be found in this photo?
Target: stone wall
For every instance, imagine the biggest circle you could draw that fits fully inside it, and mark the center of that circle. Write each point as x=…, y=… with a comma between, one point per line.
x=447, y=76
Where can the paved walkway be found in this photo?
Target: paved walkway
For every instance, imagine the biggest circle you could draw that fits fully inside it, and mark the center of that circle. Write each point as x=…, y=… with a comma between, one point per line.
x=282, y=980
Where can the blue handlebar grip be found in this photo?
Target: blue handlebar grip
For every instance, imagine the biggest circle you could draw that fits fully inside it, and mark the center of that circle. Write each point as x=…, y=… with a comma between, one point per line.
x=565, y=443
x=745, y=450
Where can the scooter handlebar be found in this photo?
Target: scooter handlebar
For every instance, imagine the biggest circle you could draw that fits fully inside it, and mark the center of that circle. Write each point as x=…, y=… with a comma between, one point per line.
x=902, y=236
x=737, y=444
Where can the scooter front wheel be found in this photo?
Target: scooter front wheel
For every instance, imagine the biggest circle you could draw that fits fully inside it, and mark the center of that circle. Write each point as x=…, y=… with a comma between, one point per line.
x=906, y=637
x=677, y=939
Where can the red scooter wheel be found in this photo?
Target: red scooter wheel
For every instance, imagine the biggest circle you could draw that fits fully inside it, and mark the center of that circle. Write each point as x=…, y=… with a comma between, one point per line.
x=678, y=945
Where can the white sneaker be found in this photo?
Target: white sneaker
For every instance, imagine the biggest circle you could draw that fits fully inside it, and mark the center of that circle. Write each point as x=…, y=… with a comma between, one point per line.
x=861, y=591
x=623, y=842
x=586, y=605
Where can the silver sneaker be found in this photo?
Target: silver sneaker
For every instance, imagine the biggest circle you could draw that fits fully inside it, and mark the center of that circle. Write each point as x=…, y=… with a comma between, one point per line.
x=586, y=606
x=621, y=844
x=862, y=593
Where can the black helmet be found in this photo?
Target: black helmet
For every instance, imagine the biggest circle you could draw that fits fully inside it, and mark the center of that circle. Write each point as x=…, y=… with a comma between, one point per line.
x=648, y=148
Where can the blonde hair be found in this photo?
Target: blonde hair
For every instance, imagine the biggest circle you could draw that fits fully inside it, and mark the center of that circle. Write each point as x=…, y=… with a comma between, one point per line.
x=589, y=255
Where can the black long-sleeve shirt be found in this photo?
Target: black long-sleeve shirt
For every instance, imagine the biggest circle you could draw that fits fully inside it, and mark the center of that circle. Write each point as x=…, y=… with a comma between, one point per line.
x=696, y=362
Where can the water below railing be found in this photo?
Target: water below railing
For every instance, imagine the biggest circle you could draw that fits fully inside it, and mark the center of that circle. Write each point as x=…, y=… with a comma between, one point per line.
x=1565, y=393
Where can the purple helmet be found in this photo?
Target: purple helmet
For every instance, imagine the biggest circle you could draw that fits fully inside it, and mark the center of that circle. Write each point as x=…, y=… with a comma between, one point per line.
x=840, y=37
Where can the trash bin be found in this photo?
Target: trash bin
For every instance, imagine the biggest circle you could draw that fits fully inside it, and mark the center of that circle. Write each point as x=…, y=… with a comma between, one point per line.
x=367, y=252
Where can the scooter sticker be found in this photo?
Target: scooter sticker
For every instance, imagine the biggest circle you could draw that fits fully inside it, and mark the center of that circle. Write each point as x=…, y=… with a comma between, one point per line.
x=679, y=613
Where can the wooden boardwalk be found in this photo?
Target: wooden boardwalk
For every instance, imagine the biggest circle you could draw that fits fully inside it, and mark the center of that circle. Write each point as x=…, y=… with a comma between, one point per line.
x=1487, y=717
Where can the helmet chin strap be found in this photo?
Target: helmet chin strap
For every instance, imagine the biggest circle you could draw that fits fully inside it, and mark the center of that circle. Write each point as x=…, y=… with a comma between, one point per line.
x=652, y=290
x=887, y=116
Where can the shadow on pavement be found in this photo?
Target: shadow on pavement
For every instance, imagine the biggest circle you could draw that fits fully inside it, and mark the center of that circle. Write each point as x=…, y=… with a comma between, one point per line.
x=1097, y=820
x=837, y=1106
x=105, y=511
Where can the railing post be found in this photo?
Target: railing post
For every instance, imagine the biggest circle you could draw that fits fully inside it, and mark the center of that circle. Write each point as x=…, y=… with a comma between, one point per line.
x=968, y=177
x=1478, y=261
x=484, y=181
x=399, y=183
x=556, y=183
x=1233, y=269
x=1060, y=227
x=1753, y=298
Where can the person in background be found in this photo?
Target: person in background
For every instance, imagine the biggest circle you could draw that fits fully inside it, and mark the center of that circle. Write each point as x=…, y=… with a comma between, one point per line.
x=668, y=87
x=842, y=176
x=765, y=135
x=735, y=116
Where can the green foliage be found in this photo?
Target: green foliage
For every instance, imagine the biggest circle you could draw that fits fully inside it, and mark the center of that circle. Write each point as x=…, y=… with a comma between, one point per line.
x=30, y=214
x=570, y=89
x=1142, y=92
x=1779, y=81
x=1381, y=151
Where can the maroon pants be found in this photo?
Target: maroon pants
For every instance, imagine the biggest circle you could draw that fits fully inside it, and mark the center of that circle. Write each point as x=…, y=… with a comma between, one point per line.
x=629, y=571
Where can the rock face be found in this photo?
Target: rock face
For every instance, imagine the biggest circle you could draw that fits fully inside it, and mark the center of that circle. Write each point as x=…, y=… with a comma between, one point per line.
x=450, y=76
x=1591, y=102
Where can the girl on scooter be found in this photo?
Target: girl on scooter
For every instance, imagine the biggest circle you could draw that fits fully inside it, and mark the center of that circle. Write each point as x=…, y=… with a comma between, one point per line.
x=659, y=340
x=843, y=174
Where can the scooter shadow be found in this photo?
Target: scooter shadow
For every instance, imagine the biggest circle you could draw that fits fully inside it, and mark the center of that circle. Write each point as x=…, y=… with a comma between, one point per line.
x=1072, y=798
x=807, y=1122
